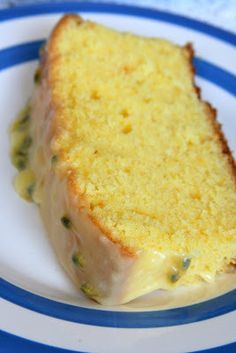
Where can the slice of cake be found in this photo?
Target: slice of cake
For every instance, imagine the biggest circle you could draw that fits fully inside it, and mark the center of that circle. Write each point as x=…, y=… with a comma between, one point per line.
x=132, y=174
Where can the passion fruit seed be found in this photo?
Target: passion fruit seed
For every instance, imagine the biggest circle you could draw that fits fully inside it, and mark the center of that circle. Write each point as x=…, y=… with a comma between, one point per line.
x=54, y=159
x=27, y=142
x=20, y=161
x=88, y=290
x=30, y=189
x=22, y=122
x=77, y=259
x=37, y=76
x=66, y=222
x=175, y=277
x=186, y=263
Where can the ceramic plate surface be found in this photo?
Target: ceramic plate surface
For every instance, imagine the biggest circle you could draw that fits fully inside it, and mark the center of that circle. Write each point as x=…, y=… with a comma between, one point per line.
x=40, y=310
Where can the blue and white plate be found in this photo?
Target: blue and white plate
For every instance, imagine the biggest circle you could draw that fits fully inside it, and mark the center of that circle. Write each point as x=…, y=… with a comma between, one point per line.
x=40, y=310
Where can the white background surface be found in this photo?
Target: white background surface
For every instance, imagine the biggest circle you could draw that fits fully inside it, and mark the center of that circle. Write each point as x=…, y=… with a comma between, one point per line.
x=221, y=13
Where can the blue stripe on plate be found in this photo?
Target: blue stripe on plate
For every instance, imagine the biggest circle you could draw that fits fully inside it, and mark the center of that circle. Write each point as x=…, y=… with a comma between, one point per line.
x=123, y=319
x=227, y=348
x=12, y=343
x=29, y=51
x=216, y=75
x=143, y=12
x=19, y=54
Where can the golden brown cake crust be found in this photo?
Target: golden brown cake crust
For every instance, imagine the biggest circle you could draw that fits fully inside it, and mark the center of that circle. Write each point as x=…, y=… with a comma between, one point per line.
x=212, y=115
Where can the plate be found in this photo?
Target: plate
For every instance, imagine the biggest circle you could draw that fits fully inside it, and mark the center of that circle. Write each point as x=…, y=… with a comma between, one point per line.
x=40, y=309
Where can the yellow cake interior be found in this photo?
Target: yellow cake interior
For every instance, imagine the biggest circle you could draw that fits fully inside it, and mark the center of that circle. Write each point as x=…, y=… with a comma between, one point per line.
x=142, y=146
